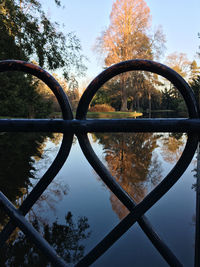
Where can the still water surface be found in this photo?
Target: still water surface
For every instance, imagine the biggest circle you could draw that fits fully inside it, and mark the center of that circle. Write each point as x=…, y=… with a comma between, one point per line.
x=77, y=210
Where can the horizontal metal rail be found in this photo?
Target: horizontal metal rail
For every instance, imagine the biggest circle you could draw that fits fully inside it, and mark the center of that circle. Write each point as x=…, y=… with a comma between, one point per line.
x=100, y=125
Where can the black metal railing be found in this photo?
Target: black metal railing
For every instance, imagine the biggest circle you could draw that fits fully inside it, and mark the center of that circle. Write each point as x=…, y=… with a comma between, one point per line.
x=80, y=127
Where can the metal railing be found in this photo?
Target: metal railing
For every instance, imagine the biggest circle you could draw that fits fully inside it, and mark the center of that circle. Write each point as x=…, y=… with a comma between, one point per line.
x=80, y=127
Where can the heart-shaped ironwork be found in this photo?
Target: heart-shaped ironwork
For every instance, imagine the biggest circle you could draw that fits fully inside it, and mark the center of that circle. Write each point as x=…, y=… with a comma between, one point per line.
x=136, y=211
x=80, y=127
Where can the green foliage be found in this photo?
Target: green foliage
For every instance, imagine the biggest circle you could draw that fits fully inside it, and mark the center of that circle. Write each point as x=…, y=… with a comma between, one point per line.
x=172, y=100
x=195, y=85
x=19, y=97
x=37, y=37
x=148, y=97
x=139, y=88
x=27, y=34
x=109, y=94
x=168, y=100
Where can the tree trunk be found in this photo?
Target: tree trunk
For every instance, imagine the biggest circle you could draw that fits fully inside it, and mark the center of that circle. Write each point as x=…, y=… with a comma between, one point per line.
x=123, y=94
x=138, y=103
x=131, y=106
x=149, y=105
x=124, y=102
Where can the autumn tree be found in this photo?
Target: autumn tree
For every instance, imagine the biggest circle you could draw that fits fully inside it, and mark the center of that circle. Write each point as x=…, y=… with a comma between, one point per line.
x=126, y=38
x=194, y=70
x=188, y=70
x=71, y=89
x=172, y=147
x=179, y=62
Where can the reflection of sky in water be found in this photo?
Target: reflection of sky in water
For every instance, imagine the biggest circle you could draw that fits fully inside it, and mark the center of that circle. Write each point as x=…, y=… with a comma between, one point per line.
x=84, y=195
x=81, y=192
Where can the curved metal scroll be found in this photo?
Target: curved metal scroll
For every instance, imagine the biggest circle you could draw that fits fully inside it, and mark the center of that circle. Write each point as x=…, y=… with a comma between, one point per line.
x=81, y=126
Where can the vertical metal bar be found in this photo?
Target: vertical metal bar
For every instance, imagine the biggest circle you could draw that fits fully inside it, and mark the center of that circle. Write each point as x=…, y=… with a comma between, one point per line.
x=197, y=228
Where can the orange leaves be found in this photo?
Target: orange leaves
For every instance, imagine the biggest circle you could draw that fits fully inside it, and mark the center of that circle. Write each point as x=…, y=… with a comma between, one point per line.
x=126, y=36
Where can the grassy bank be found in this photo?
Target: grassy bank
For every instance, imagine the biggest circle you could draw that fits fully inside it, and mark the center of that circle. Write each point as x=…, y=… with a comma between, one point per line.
x=115, y=114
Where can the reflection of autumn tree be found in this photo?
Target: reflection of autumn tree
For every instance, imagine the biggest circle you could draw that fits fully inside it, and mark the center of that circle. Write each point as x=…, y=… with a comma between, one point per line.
x=56, y=138
x=66, y=239
x=172, y=147
x=130, y=161
x=69, y=87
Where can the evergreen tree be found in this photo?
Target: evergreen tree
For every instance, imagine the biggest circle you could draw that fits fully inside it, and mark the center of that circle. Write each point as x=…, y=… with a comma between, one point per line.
x=195, y=85
x=194, y=70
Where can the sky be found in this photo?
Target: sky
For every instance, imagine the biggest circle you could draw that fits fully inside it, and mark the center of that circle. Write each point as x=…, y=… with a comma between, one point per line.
x=179, y=19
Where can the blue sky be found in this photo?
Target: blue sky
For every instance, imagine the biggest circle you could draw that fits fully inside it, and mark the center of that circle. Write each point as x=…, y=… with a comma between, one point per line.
x=180, y=20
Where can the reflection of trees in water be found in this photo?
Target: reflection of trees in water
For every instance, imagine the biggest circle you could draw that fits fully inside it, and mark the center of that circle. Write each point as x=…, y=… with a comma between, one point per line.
x=48, y=151
x=172, y=147
x=16, y=151
x=66, y=239
x=57, y=189
x=22, y=157
x=54, y=193
x=131, y=161
x=196, y=170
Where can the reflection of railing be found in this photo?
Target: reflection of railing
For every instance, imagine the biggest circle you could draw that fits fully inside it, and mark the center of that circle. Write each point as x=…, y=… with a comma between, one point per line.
x=81, y=126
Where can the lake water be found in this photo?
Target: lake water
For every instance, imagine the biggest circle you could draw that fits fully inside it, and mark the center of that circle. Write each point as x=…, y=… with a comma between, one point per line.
x=77, y=210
